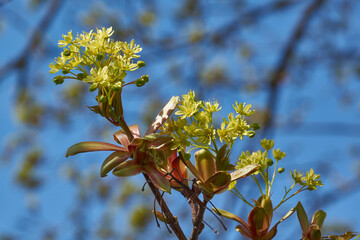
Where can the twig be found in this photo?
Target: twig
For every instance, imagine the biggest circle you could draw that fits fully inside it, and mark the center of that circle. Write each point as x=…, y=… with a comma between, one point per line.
x=164, y=208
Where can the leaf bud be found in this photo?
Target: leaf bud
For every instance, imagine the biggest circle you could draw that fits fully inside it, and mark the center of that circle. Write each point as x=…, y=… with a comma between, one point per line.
x=141, y=64
x=58, y=79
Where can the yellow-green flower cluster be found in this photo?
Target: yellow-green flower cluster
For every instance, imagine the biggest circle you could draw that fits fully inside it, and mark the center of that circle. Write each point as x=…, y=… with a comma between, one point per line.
x=260, y=157
x=235, y=126
x=247, y=158
x=95, y=58
x=194, y=125
x=311, y=180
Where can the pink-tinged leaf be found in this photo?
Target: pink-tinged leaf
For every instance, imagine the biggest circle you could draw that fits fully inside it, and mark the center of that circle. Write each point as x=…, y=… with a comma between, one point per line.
x=181, y=172
x=258, y=221
x=157, y=178
x=303, y=219
x=112, y=161
x=163, y=115
x=92, y=146
x=127, y=169
x=244, y=231
x=244, y=172
x=121, y=137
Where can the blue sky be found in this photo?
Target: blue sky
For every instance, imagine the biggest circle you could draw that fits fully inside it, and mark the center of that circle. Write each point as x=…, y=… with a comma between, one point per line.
x=306, y=149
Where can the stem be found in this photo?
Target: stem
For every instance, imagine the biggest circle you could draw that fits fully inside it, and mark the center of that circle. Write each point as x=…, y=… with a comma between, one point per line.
x=284, y=199
x=166, y=211
x=257, y=183
x=273, y=177
x=241, y=197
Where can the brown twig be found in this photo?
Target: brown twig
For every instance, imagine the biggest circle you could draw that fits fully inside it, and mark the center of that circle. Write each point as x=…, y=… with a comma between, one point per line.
x=166, y=211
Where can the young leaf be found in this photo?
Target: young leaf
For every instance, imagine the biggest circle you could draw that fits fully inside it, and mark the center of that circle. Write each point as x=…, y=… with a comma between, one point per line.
x=112, y=161
x=127, y=169
x=303, y=219
x=92, y=146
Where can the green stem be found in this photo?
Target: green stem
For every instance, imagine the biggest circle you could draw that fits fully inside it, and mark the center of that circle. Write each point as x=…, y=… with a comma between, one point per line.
x=239, y=195
x=274, y=174
x=257, y=183
x=284, y=199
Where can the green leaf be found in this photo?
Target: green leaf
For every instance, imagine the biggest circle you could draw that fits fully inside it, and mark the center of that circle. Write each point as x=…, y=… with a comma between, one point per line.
x=216, y=184
x=127, y=169
x=112, y=161
x=318, y=218
x=163, y=115
x=229, y=215
x=205, y=163
x=244, y=172
x=222, y=161
x=92, y=146
x=303, y=219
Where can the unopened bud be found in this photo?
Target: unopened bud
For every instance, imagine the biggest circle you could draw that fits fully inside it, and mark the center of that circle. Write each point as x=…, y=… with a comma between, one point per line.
x=269, y=162
x=251, y=134
x=65, y=71
x=141, y=64
x=93, y=87
x=81, y=76
x=140, y=82
x=145, y=78
x=255, y=126
x=58, y=80
x=67, y=52
x=281, y=170
x=99, y=57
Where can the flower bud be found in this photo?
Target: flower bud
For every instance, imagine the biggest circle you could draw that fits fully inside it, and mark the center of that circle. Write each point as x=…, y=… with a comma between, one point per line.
x=269, y=162
x=140, y=82
x=145, y=78
x=102, y=99
x=281, y=170
x=58, y=79
x=67, y=52
x=255, y=126
x=65, y=71
x=93, y=87
x=81, y=76
x=141, y=64
x=251, y=134
x=99, y=57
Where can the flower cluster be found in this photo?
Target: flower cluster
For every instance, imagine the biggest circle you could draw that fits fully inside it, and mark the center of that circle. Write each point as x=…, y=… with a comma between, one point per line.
x=195, y=125
x=310, y=180
x=96, y=59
